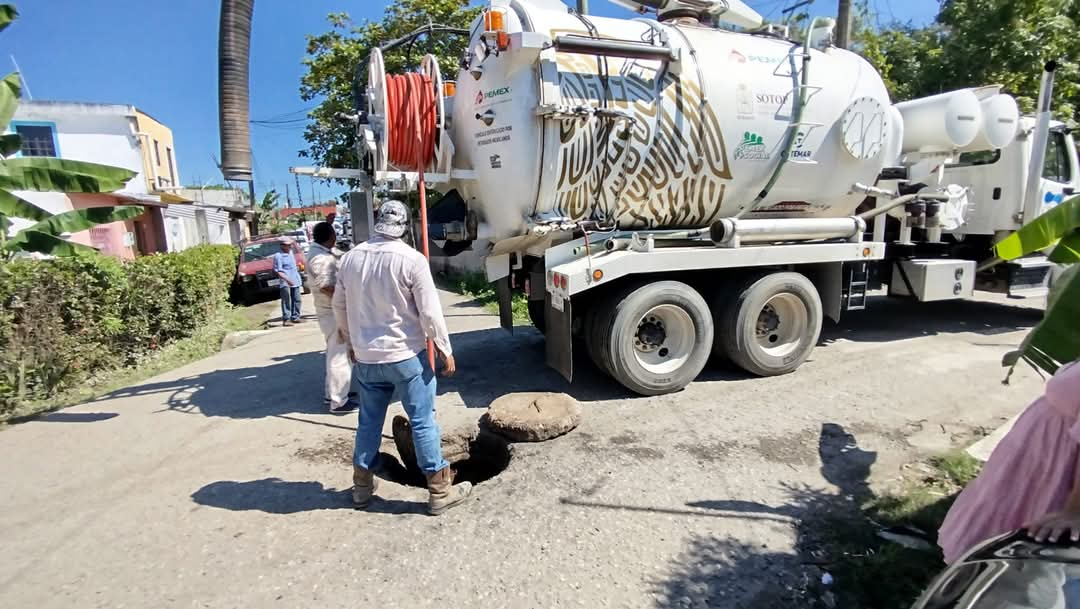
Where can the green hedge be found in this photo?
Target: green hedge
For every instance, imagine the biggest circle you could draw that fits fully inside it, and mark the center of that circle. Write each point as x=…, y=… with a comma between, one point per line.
x=66, y=319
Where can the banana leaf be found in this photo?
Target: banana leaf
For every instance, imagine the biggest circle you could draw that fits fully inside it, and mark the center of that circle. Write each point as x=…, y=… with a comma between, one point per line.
x=10, y=144
x=61, y=175
x=1056, y=340
x=7, y=15
x=1043, y=232
x=17, y=207
x=1067, y=250
x=82, y=219
x=10, y=90
x=44, y=243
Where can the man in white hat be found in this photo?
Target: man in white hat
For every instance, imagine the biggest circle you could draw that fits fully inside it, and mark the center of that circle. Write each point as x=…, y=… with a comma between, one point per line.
x=290, y=282
x=387, y=308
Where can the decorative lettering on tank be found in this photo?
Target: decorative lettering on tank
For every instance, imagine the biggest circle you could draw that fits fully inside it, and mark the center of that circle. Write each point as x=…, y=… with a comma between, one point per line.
x=667, y=167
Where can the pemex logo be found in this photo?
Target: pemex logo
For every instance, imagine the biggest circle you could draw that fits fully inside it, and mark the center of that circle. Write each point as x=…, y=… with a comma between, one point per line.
x=484, y=96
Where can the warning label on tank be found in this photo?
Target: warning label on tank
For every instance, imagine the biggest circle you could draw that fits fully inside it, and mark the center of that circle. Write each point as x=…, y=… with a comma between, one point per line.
x=494, y=136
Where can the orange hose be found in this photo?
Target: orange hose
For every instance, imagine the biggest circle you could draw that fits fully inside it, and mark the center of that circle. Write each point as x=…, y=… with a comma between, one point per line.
x=410, y=110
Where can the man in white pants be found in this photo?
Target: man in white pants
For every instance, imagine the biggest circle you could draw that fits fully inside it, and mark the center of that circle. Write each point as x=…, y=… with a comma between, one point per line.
x=322, y=264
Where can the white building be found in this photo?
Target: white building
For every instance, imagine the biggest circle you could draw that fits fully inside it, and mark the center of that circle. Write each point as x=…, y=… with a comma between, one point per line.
x=109, y=134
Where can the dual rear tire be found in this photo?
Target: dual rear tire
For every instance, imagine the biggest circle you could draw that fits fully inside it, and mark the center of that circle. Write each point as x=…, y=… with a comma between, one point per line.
x=656, y=338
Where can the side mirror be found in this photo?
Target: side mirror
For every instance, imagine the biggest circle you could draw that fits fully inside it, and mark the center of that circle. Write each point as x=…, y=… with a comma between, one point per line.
x=1069, y=190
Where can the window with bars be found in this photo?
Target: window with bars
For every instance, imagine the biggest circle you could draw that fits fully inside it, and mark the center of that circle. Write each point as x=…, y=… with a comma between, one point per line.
x=37, y=140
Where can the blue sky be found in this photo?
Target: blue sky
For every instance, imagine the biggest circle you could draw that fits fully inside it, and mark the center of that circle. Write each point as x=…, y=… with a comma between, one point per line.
x=161, y=56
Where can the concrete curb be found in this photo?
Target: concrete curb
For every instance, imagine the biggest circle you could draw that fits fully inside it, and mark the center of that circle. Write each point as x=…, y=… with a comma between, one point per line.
x=233, y=340
x=982, y=449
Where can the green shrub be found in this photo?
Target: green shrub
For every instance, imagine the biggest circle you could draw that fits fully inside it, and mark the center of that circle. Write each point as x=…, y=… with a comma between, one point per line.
x=66, y=319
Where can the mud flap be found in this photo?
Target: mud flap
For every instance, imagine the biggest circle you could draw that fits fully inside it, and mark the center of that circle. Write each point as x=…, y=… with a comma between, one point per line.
x=559, y=341
x=506, y=304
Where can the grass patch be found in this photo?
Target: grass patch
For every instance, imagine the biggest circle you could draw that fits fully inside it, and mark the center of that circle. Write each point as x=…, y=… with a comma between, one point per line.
x=870, y=571
x=958, y=467
x=476, y=286
x=205, y=342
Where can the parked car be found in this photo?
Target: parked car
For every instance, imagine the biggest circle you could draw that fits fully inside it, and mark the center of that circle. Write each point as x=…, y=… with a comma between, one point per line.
x=1011, y=571
x=255, y=275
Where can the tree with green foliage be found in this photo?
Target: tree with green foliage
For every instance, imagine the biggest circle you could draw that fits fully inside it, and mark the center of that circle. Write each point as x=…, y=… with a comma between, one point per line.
x=334, y=57
x=978, y=42
x=43, y=174
x=266, y=217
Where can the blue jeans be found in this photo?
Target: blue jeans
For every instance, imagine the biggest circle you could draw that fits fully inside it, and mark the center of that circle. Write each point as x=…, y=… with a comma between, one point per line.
x=415, y=383
x=290, y=303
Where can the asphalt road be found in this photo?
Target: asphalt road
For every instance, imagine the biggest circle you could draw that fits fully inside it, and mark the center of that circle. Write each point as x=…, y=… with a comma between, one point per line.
x=223, y=484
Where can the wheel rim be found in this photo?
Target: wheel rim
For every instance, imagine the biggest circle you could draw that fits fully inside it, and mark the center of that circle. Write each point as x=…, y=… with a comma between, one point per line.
x=664, y=339
x=781, y=324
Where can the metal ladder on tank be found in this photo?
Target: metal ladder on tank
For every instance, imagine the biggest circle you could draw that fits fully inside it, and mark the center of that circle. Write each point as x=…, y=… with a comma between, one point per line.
x=857, y=282
x=798, y=91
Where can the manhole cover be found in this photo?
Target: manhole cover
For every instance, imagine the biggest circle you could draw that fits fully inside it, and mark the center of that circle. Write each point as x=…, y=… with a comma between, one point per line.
x=533, y=417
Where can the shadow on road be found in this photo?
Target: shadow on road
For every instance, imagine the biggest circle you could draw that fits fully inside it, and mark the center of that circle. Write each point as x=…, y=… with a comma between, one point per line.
x=493, y=362
x=65, y=417
x=889, y=318
x=833, y=536
x=276, y=496
x=290, y=385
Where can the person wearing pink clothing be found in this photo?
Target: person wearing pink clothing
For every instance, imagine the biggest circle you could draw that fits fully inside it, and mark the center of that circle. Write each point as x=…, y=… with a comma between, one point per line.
x=1032, y=479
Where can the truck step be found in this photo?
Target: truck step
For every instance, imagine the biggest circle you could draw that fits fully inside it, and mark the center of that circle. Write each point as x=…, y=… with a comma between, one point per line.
x=1029, y=277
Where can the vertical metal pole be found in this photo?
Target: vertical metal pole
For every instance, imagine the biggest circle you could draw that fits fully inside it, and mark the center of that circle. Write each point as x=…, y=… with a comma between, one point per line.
x=251, y=204
x=843, y=24
x=583, y=7
x=1033, y=201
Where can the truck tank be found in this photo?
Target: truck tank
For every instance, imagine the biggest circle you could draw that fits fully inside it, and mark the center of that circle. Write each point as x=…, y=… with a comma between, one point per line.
x=674, y=142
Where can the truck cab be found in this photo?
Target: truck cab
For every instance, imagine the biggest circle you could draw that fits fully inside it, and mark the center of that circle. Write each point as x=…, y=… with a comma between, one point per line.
x=996, y=180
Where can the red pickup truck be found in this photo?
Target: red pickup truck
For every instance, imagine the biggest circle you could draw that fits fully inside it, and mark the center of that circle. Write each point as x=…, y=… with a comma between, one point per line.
x=255, y=275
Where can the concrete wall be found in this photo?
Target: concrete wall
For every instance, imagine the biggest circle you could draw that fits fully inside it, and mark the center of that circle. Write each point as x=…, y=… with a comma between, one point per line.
x=190, y=225
x=97, y=133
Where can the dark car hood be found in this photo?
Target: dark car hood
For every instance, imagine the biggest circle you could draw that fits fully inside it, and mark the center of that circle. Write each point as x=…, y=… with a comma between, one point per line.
x=1009, y=571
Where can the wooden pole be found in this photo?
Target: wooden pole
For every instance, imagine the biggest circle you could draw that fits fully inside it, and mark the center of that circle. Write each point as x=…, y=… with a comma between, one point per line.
x=843, y=24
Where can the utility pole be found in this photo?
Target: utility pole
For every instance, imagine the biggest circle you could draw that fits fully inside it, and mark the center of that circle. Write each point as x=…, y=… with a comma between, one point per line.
x=843, y=24
x=583, y=7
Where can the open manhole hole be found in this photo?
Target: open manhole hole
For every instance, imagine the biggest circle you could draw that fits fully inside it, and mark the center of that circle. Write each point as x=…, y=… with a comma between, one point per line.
x=475, y=455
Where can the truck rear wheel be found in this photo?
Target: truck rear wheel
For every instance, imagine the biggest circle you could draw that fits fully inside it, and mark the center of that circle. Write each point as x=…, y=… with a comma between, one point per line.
x=772, y=325
x=537, y=311
x=653, y=339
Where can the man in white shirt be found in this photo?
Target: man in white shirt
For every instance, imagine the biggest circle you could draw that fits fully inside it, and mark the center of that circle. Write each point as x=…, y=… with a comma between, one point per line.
x=387, y=308
x=322, y=263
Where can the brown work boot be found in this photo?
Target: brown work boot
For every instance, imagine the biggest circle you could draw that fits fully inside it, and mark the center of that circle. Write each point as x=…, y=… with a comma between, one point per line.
x=364, y=486
x=444, y=493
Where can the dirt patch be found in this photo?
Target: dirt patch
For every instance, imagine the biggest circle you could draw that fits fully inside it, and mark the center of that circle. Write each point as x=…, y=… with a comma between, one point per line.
x=626, y=443
x=709, y=452
x=792, y=449
x=336, y=450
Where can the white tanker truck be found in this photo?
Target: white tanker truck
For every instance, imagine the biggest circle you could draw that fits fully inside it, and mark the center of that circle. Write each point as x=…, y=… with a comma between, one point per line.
x=665, y=188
